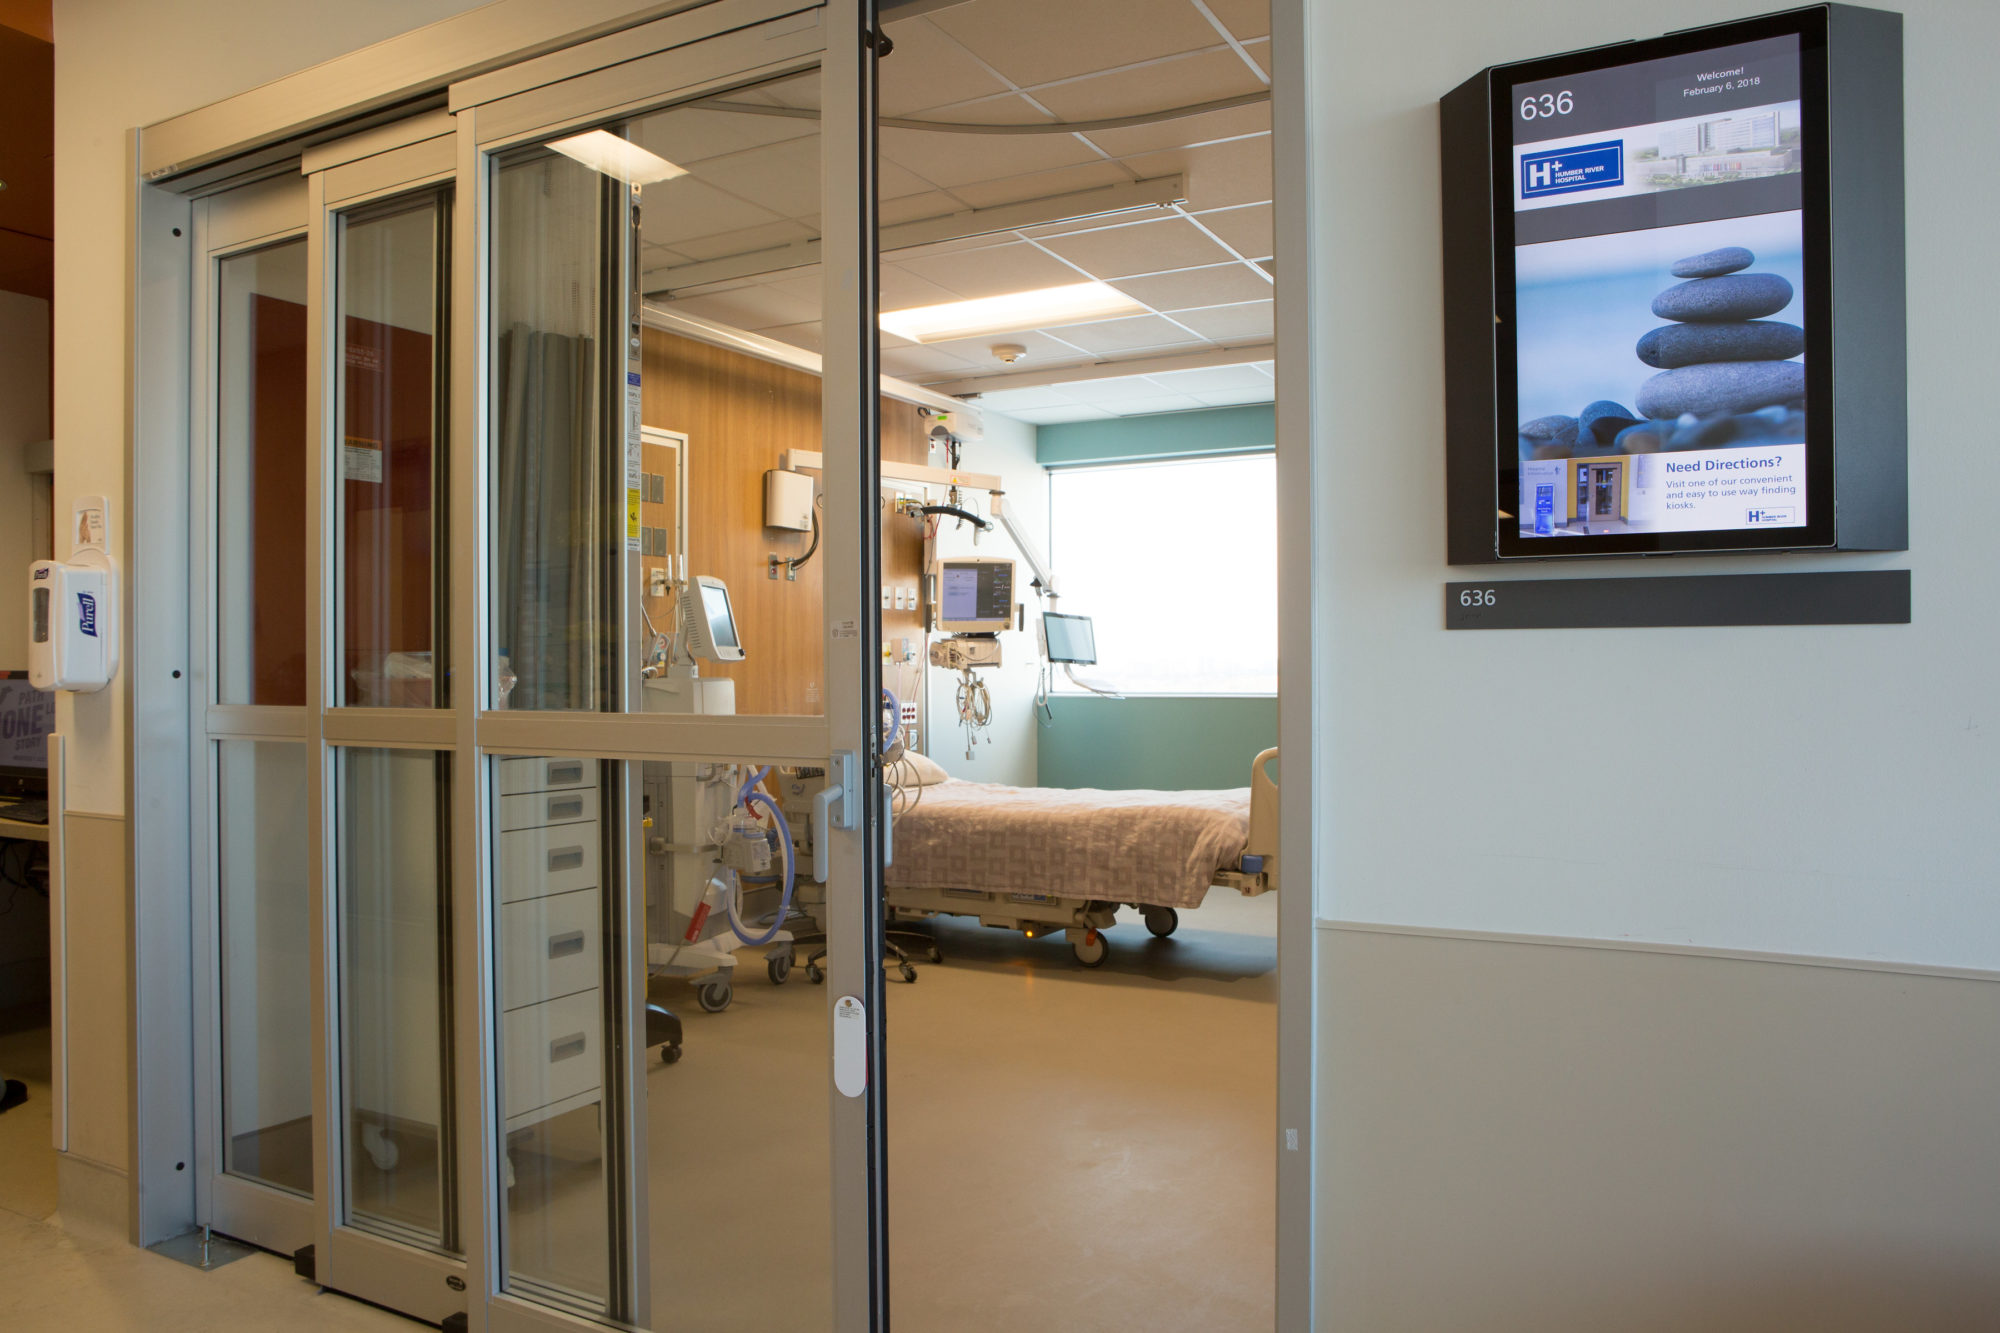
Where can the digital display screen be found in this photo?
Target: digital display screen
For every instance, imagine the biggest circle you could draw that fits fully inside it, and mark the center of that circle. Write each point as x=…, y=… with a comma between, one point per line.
x=1659, y=323
x=721, y=624
x=27, y=716
x=976, y=591
x=1071, y=639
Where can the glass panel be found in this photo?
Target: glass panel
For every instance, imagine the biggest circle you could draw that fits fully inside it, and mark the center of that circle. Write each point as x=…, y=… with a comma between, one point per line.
x=390, y=491
x=555, y=551
x=395, y=994
x=260, y=510
x=266, y=962
x=558, y=872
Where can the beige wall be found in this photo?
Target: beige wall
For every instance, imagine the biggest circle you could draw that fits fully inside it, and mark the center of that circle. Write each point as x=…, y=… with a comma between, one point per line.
x=1525, y=1138
x=121, y=64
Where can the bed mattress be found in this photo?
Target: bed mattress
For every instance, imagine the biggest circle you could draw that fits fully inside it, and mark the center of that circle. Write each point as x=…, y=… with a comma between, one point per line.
x=1161, y=847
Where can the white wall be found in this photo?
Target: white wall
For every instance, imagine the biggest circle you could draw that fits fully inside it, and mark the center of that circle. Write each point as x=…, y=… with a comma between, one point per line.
x=1813, y=790
x=24, y=420
x=1802, y=791
x=1008, y=749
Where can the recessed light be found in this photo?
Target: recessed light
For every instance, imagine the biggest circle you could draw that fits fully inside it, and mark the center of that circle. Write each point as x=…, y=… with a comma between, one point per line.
x=1045, y=308
x=618, y=158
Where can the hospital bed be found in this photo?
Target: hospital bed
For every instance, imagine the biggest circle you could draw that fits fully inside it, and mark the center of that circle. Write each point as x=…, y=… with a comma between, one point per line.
x=1041, y=860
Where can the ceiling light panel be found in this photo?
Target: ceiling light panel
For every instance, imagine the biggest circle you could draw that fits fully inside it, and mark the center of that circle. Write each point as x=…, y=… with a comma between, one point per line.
x=620, y=159
x=1014, y=312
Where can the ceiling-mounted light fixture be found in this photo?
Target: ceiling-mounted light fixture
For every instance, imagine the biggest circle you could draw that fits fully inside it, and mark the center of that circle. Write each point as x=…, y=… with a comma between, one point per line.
x=1048, y=307
x=621, y=159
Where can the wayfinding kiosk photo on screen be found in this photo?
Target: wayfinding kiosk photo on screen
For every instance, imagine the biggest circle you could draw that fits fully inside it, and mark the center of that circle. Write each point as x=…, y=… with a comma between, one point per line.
x=1654, y=217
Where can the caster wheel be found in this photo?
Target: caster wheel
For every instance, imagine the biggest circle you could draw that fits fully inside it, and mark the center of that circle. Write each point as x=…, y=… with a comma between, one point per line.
x=382, y=1149
x=670, y=1055
x=1092, y=950
x=909, y=973
x=936, y=956
x=714, y=997
x=778, y=967
x=1162, y=921
x=815, y=973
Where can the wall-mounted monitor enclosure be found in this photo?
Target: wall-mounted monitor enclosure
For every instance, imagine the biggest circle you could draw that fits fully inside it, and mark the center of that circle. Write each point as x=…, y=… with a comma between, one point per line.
x=1674, y=294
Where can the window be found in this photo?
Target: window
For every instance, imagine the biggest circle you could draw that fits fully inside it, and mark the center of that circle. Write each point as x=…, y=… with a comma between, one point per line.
x=1177, y=565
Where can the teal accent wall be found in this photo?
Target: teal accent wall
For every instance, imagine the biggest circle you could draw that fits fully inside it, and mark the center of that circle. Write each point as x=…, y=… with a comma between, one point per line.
x=1156, y=743
x=1211, y=430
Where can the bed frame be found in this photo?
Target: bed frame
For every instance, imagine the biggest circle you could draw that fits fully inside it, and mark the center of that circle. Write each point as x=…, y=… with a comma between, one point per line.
x=1084, y=920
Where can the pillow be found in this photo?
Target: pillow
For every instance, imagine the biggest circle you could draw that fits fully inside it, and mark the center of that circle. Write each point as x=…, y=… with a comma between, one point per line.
x=917, y=770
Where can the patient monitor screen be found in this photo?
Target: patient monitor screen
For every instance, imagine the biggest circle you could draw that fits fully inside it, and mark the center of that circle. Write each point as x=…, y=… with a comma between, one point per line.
x=721, y=624
x=1070, y=638
x=980, y=591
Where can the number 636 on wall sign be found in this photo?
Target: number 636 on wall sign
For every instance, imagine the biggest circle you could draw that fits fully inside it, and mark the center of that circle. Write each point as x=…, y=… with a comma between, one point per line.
x=1547, y=105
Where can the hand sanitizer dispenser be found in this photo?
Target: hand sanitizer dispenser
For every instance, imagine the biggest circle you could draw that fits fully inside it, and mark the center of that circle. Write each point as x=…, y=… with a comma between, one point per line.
x=73, y=608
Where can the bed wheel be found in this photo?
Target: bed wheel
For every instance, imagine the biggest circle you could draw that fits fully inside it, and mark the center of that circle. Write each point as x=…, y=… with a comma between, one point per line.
x=778, y=967
x=1092, y=949
x=714, y=997
x=1162, y=921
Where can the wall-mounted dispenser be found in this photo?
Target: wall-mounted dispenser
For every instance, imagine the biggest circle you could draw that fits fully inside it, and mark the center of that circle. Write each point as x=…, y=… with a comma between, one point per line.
x=73, y=608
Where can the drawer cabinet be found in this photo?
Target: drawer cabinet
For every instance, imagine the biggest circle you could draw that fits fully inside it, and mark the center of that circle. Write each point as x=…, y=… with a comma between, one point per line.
x=542, y=808
x=549, y=947
x=518, y=776
x=553, y=1056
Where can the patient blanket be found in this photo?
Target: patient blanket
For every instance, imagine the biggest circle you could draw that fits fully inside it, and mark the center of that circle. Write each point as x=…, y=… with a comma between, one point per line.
x=1161, y=847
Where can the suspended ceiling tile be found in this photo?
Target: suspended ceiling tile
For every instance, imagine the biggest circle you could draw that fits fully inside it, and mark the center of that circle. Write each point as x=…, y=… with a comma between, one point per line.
x=1191, y=288
x=915, y=207
x=904, y=290
x=947, y=159
x=1145, y=407
x=1222, y=323
x=1235, y=397
x=1243, y=18
x=928, y=69
x=1043, y=349
x=1216, y=379
x=1142, y=247
x=690, y=135
x=1113, y=389
x=1248, y=229
x=1218, y=175
x=909, y=359
x=744, y=240
x=752, y=308
x=1040, y=184
x=1051, y=416
x=1261, y=53
x=1036, y=41
x=1013, y=400
x=809, y=335
x=993, y=270
x=1186, y=131
x=783, y=177
x=1200, y=76
x=1122, y=335
x=677, y=211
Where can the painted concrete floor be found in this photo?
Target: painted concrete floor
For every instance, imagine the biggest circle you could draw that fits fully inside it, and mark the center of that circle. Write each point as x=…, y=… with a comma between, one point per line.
x=1084, y=1150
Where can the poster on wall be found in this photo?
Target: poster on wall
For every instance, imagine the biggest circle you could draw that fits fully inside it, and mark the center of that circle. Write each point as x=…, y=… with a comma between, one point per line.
x=1661, y=316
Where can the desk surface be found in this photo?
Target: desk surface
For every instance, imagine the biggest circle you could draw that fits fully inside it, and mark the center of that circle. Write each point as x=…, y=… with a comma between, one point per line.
x=14, y=828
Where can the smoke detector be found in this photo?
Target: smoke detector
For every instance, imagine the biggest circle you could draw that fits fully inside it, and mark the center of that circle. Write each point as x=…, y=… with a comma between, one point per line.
x=1008, y=352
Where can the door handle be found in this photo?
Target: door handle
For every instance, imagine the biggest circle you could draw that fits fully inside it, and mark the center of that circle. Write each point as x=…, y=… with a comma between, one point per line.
x=836, y=806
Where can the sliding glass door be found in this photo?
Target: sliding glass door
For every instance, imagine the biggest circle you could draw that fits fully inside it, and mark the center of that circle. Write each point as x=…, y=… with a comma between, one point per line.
x=521, y=733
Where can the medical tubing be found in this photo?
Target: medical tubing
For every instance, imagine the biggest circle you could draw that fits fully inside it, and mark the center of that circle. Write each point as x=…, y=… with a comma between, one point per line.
x=744, y=792
x=791, y=880
x=895, y=707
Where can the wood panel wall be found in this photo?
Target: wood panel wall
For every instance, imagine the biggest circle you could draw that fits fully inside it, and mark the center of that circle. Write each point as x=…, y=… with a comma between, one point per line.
x=740, y=414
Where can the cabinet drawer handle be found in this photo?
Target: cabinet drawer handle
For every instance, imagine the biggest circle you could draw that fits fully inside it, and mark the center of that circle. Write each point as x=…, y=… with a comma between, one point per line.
x=563, y=1048
x=562, y=946
x=565, y=858
x=570, y=771
x=570, y=807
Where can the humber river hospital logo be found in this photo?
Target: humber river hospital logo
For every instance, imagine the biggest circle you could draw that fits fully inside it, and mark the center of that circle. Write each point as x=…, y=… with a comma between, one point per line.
x=1589, y=166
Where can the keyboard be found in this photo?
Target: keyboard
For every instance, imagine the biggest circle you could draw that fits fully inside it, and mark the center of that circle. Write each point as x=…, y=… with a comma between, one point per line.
x=26, y=812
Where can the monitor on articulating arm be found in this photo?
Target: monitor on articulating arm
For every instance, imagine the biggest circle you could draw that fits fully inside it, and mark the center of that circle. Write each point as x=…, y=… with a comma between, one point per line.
x=1069, y=640
x=707, y=622
x=975, y=595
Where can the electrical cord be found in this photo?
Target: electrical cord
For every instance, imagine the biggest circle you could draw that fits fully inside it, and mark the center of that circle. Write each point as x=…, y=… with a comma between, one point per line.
x=798, y=562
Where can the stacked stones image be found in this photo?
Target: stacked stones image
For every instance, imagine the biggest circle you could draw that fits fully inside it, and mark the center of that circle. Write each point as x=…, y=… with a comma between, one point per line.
x=1725, y=374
